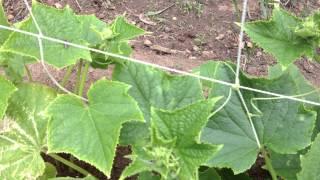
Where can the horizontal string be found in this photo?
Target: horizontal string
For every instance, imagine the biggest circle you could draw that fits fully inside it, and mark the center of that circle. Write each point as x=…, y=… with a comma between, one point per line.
x=158, y=66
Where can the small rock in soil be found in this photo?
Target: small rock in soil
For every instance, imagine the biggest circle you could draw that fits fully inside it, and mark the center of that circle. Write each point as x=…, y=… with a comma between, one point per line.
x=208, y=54
x=147, y=43
x=229, y=32
x=58, y=5
x=167, y=30
x=220, y=37
x=196, y=48
x=174, y=18
x=259, y=53
x=101, y=15
x=188, y=51
x=249, y=44
x=50, y=2
x=10, y=17
x=161, y=49
x=223, y=8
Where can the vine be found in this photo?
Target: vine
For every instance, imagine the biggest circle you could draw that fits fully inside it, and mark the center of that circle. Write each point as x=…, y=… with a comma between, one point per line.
x=174, y=130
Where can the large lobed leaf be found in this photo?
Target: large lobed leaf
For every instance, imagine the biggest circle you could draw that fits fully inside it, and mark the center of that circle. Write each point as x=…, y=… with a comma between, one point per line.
x=60, y=24
x=91, y=132
x=4, y=34
x=310, y=163
x=286, y=165
x=175, y=151
x=282, y=126
x=278, y=37
x=154, y=88
x=25, y=137
x=6, y=90
x=14, y=65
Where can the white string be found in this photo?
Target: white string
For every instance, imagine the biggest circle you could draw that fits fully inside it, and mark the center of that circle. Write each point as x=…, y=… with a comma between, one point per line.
x=236, y=84
x=160, y=67
x=237, y=80
x=40, y=36
x=250, y=118
x=243, y=20
x=144, y=63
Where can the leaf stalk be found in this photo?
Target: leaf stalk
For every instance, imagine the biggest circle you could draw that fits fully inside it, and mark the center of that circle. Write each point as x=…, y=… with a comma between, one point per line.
x=68, y=163
x=269, y=164
x=76, y=90
x=28, y=73
x=67, y=76
x=83, y=78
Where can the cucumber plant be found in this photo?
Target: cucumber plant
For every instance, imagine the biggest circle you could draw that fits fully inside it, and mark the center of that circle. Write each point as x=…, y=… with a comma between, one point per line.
x=175, y=131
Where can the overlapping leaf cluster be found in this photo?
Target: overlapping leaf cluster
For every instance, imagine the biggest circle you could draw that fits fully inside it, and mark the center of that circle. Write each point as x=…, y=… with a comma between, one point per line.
x=167, y=119
x=286, y=36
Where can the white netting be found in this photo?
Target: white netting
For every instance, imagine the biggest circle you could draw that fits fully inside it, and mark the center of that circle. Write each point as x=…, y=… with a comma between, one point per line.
x=236, y=85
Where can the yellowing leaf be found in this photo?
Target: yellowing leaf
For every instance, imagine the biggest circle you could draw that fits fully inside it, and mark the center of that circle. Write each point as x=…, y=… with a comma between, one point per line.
x=6, y=91
x=26, y=135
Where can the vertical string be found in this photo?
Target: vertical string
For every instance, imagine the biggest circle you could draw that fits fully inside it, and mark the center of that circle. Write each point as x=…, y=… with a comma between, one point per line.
x=40, y=42
x=240, y=46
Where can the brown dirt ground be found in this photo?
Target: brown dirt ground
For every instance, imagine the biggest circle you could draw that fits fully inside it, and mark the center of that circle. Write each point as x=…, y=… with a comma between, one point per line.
x=197, y=36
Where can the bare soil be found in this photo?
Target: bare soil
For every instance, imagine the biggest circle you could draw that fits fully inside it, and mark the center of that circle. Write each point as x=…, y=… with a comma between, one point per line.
x=179, y=38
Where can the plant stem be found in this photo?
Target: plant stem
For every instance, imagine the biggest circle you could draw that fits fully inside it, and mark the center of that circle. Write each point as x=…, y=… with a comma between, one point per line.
x=70, y=164
x=67, y=76
x=83, y=78
x=235, y=4
x=269, y=164
x=78, y=77
x=28, y=73
x=264, y=8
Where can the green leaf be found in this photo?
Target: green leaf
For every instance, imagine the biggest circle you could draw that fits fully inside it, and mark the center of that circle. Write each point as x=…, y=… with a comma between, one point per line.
x=175, y=151
x=72, y=178
x=125, y=31
x=6, y=91
x=151, y=87
x=316, y=130
x=310, y=162
x=98, y=124
x=227, y=174
x=310, y=27
x=148, y=176
x=286, y=165
x=283, y=126
x=209, y=174
x=94, y=30
x=112, y=46
x=14, y=65
x=4, y=34
x=25, y=137
x=56, y=23
x=278, y=37
x=50, y=172
x=118, y=43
